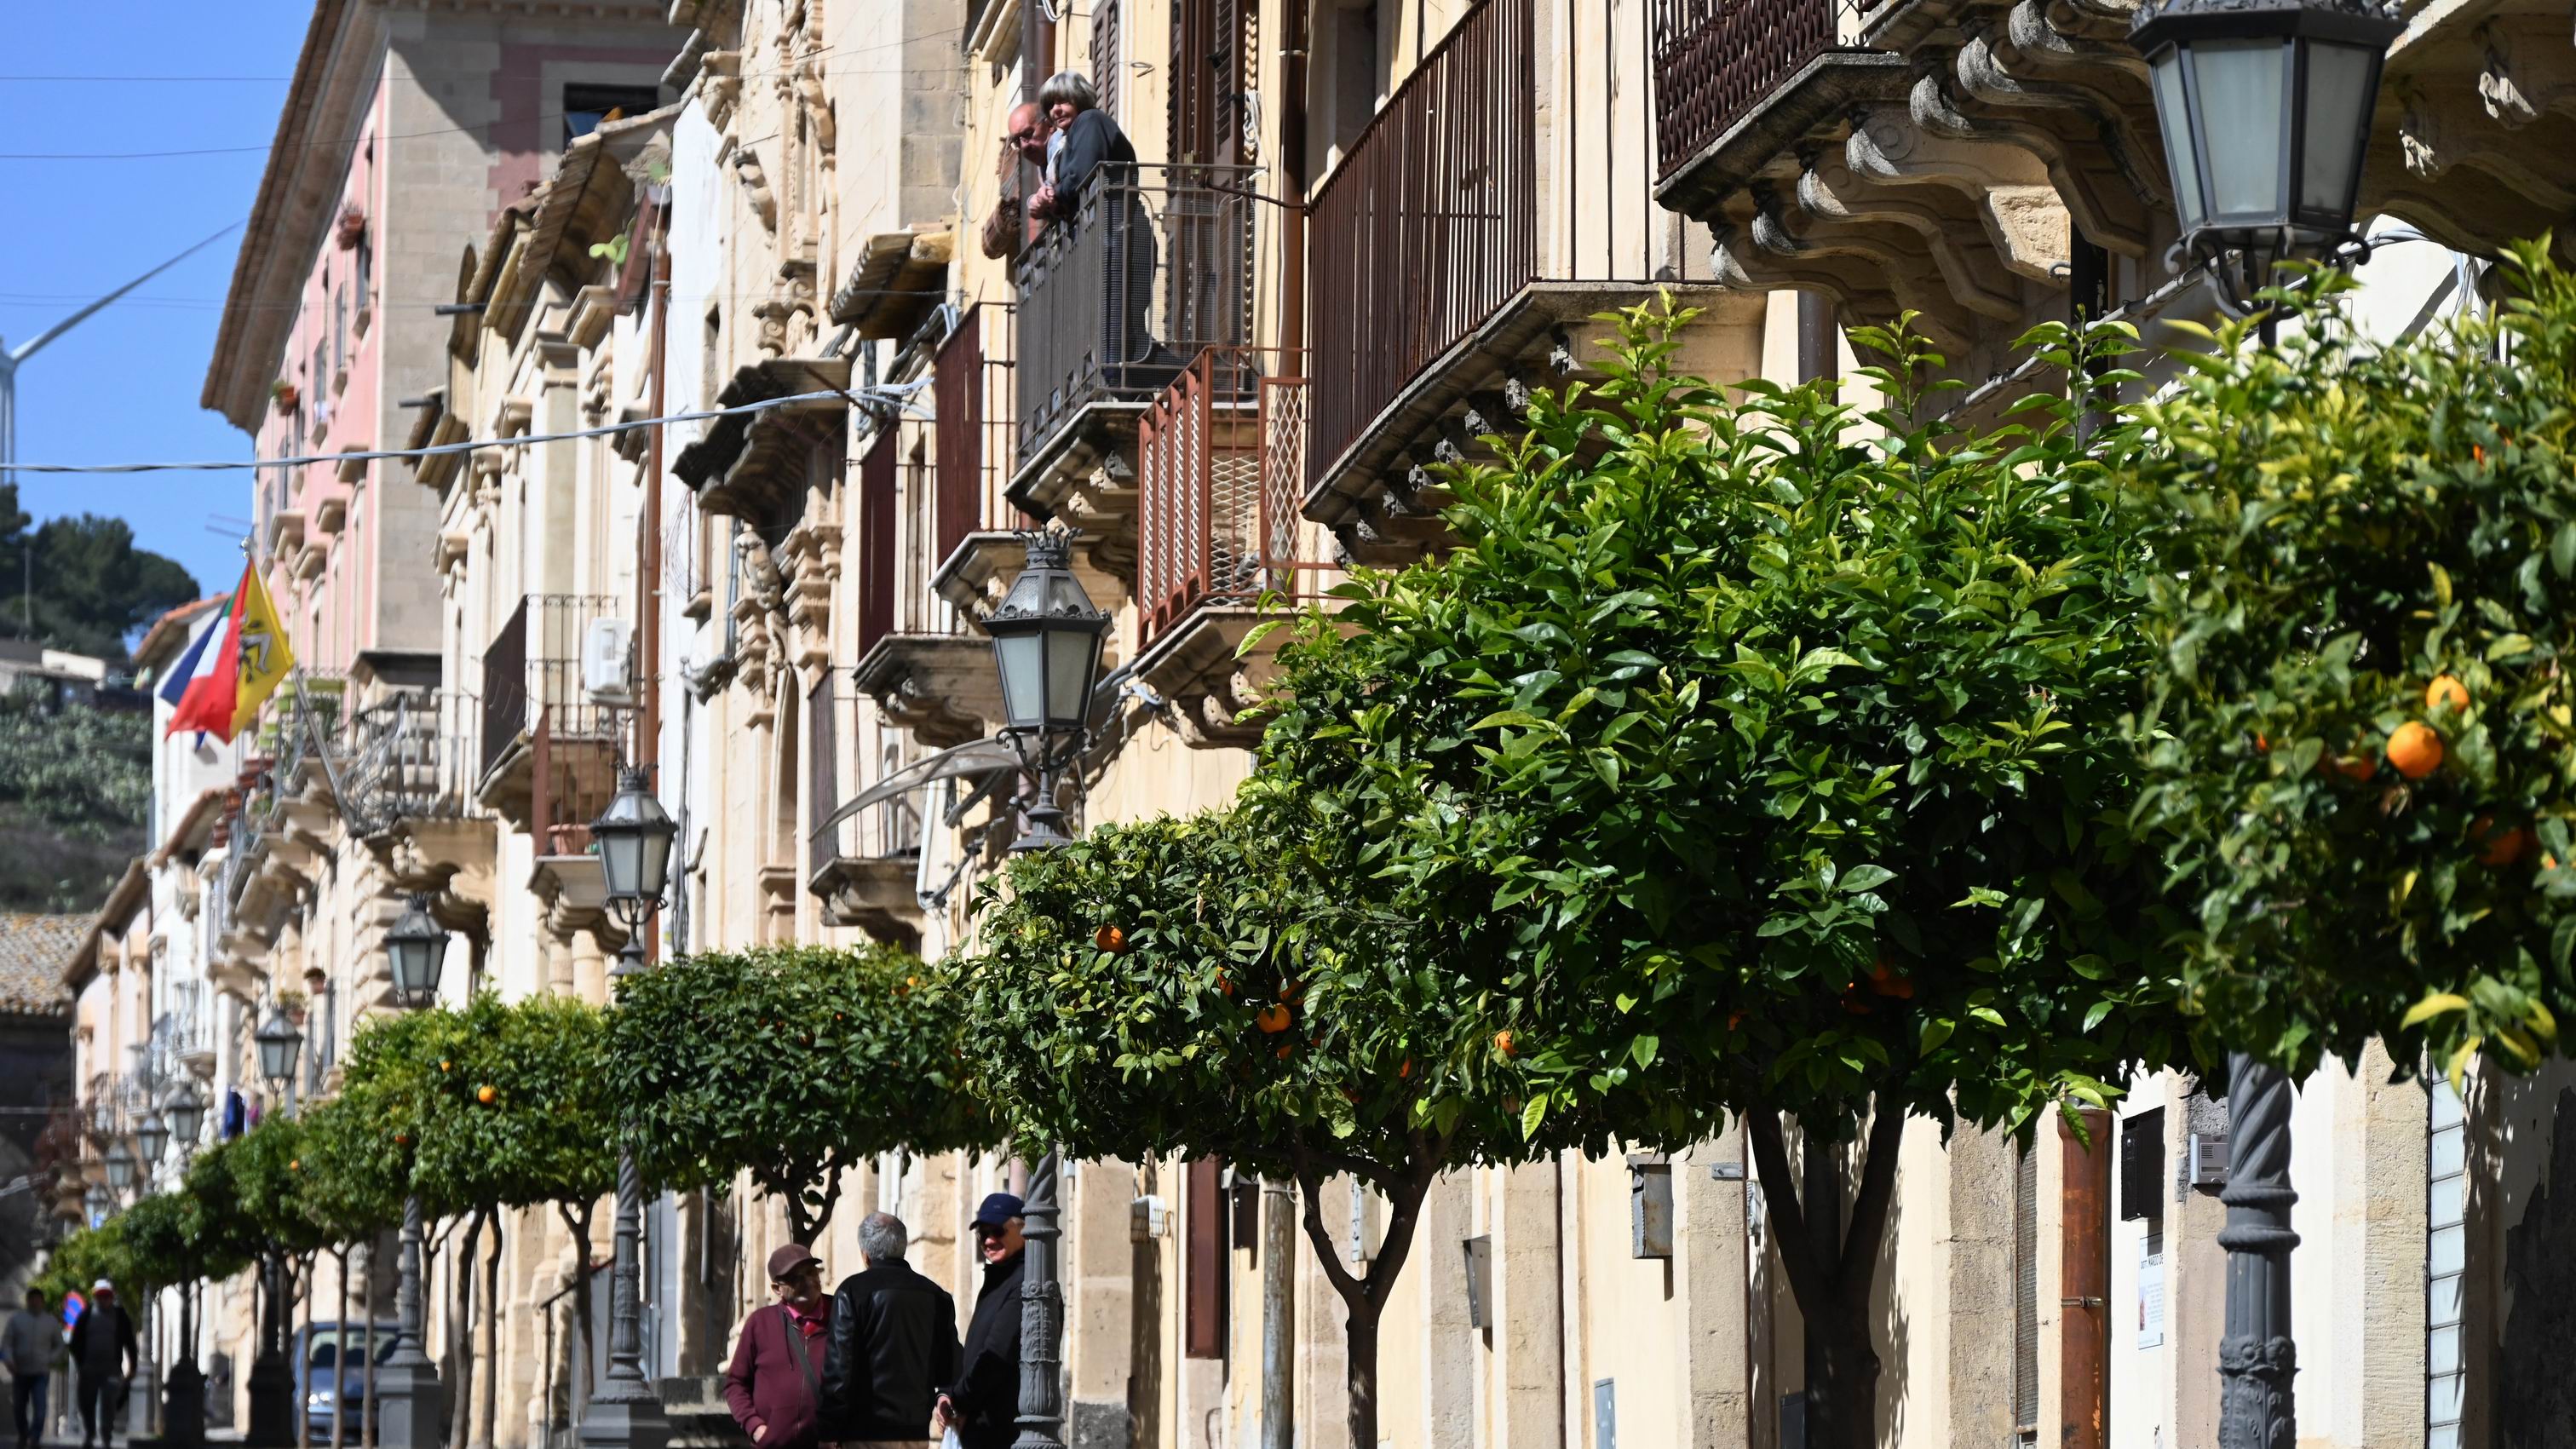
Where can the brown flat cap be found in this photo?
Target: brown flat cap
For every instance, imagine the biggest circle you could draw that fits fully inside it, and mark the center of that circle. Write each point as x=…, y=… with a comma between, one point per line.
x=787, y=1260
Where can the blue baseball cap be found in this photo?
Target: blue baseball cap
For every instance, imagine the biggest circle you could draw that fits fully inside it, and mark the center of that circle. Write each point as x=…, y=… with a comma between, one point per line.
x=999, y=1208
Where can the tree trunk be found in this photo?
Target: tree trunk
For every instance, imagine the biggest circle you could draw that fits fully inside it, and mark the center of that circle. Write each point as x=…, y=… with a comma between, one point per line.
x=578, y=1224
x=1364, y=1296
x=340, y=1357
x=303, y=1419
x=491, y=1339
x=1832, y=1269
x=460, y=1338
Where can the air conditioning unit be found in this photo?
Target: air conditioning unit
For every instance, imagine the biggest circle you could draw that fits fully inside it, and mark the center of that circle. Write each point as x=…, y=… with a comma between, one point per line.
x=605, y=647
x=2208, y=1161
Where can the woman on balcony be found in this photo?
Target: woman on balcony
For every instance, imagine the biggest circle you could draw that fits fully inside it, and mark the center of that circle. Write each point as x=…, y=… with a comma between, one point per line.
x=1088, y=154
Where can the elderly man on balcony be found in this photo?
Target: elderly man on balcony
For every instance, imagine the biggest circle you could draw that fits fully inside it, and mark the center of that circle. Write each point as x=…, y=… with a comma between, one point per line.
x=1089, y=157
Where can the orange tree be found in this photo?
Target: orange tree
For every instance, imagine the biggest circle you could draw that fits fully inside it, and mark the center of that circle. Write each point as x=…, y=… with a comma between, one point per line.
x=2360, y=746
x=791, y=1064
x=1789, y=738
x=1240, y=985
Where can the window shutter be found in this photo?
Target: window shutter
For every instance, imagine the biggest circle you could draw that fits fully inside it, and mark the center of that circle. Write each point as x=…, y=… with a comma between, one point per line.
x=876, y=541
x=2026, y=1294
x=1203, y=1270
x=1107, y=70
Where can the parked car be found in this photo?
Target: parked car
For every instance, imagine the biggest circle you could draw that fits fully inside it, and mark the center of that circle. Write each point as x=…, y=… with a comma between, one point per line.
x=318, y=1355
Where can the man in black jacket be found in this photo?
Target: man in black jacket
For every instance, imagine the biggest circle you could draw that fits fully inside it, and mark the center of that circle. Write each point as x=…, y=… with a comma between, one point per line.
x=103, y=1355
x=893, y=1343
x=983, y=1404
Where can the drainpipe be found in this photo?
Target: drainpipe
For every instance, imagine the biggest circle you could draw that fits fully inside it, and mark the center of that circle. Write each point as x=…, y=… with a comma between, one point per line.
x=648, y=631
x=1278, y=1312
x=2084, y=1284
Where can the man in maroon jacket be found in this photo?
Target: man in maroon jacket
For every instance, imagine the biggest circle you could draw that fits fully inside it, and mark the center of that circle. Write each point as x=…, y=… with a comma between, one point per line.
x=773, y=1385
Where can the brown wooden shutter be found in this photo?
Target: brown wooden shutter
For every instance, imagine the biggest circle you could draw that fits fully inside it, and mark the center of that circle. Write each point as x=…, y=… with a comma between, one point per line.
x=1203, y=1260
x=1207, y=81
x=957, y=397
x=876, y=540
x=822, y=768
x=2026, y=1291
x=1107, y=72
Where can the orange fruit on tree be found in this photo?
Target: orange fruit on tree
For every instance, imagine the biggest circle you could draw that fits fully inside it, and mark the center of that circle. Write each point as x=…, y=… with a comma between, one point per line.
x=1272, y=1019
x=2415, y=749
x=1286, y=1049
x=1503, y=1042
x=2446, y=689
x=1110, y=939
x=442, y=1065
x=1225, y=983
x=1404, y=1070
x=2497, y=847
x=484, y=1094
x=295, y=1164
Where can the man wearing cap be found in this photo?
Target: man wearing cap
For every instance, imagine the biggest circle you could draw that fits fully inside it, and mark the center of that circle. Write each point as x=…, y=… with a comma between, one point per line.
x=33, y=1345
x=774, y=1385
x=894, y=1341
x=103, y=1353
x=983, y=1405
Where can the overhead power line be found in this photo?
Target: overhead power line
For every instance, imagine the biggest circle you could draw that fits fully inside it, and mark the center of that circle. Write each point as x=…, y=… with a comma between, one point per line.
x=897, y=396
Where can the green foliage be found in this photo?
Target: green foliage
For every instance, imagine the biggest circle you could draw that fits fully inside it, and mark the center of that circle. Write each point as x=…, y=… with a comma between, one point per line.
x=269, y=1178
x=1262, y=1001
x=1786, y=736
x=84, y=1256
x=547, y=1134
x=2341, y=524
x=348, y=1191
x=91, y=587
x=790, y=1063
x=75, y=796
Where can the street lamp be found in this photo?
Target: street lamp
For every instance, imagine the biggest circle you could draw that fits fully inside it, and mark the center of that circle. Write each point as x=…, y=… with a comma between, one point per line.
x=120, y=1168
x=2265, y=107
x=416, y=952
x=407, y=1394
x=279, y=1044
x=634, y=836
x=96, y=1200
x=1047, y=638
x=152, y=1135
x=186, y=1113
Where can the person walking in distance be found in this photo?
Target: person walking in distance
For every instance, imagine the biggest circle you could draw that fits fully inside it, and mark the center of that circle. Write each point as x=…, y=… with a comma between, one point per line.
x=983, y=1403
x=33, y=1345
x=103, y=1354
x=774, y=1384
x=893, y=1342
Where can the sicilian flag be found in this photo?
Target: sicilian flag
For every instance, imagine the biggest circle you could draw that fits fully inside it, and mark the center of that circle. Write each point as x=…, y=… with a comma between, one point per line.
x=233, y=664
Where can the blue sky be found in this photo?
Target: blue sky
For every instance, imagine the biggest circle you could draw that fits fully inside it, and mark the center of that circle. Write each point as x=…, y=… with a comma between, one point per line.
x=123, y=386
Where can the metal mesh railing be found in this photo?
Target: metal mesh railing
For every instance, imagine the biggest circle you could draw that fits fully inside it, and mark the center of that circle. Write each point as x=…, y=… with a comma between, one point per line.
x=1715, y=60
x=1221, y=467
x=1429, y=225
x=533, y=668
x=1154, y=266
x=412, y=757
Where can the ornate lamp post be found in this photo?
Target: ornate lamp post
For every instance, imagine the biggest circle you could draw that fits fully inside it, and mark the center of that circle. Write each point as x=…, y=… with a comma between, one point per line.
x=409, y=1409
x=2265, y=107
x=1047, y=637
x=183, y=1392
x=634, y=836
x=120, y=1168
x=279, y=1043
x=152, y=1139
x=272, y=1380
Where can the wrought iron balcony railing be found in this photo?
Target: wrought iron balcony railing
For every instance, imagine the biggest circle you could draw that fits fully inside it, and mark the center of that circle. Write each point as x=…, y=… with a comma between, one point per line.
x=412, y=756
x=1221, y=473
x=533, y=668
x=1154, y=267
x=1716, y=60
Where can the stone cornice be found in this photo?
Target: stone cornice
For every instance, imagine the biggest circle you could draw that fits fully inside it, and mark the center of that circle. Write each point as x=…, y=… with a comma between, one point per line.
x=298, y=196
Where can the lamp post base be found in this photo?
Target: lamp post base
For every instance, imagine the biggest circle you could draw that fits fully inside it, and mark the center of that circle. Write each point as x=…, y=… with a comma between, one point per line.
x=183, y=1406
x=411, y=1405
x=618, y=1417
x=272, y=1403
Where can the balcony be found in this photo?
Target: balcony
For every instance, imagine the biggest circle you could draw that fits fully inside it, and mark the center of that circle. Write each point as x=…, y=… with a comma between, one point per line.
x=408, y=790
x=1222, y=454
x=544, y=735
x=861, y=866
x=1460, y=251
x=1952, y=156
x=933, y=551
x=1112, y=304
